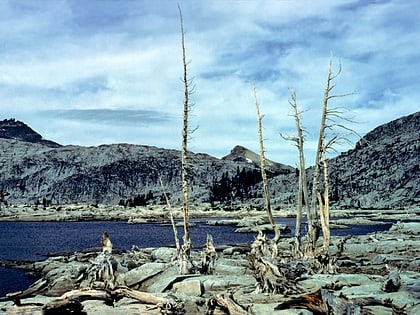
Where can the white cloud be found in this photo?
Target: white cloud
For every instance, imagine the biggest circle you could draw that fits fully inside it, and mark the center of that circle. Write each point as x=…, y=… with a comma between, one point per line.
x=126, y=55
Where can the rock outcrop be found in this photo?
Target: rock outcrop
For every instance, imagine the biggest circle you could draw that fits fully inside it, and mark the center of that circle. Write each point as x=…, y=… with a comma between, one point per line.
x=382, y=171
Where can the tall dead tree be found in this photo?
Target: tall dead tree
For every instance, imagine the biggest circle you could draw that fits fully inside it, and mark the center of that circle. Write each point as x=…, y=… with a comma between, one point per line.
x=320, y=194
x=276, y=229
x=184, y=255
x=303, y=187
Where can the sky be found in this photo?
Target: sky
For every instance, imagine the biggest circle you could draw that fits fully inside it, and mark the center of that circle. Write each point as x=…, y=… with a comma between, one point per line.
x=110, y=71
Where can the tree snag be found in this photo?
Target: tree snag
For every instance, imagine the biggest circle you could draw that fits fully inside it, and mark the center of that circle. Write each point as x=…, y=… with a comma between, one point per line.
x=303, y=195
x=208, y=257
x=185, y=254
x=321, y=195
x=276, y=229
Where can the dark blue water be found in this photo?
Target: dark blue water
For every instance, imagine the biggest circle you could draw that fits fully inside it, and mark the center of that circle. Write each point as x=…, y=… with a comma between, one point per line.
x=33, y=240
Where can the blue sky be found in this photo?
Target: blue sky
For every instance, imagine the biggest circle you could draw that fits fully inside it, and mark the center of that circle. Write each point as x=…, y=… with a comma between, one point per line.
x=95, y=72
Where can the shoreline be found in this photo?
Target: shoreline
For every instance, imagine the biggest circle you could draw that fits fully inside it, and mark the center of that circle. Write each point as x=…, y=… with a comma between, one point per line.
x=359, y=275
x=160, y=213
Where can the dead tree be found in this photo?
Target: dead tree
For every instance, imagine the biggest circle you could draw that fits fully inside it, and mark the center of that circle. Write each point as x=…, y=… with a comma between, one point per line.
x=185, y=253
x=228, y=305
x=101, y=270
x=303, y=187
x=208, y=257
x=392, y=283
x=320, y=195
x=106, y=243
x=276, y=229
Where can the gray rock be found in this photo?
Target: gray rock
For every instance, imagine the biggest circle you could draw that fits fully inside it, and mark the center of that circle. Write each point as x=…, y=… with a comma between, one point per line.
x=163, y=254
x=146, y=271
x=190, y=287
x=406, y=227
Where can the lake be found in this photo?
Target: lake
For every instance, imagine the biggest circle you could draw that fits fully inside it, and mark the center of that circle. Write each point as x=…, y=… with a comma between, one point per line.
x=35, y=240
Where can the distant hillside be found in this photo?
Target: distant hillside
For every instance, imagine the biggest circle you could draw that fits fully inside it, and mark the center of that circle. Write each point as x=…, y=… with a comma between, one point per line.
x=116, y=174
x=383, y=168
x=381, y=171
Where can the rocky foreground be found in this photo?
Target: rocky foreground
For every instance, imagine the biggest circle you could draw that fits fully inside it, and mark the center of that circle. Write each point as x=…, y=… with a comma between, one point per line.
x=377, y=273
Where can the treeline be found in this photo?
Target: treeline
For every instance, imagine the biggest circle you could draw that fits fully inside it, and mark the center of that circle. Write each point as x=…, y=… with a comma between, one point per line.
x=237, y=187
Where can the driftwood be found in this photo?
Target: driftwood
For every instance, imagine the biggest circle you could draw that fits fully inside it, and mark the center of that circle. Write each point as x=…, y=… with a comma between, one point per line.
x=392, y=283
x=227, y=305
x=270, y=276
x=71, y=301
x=263, y=246
x=102, y=269
x=38, y=288
x=63, y=307
x=208, y=257
x=106, y=243
x=83, y=295
x=325, y=302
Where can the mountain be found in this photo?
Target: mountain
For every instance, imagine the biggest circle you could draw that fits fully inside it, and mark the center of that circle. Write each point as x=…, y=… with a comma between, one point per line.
x=35, y=172
x=243, y=155
x=17, y=130
x=381, y=171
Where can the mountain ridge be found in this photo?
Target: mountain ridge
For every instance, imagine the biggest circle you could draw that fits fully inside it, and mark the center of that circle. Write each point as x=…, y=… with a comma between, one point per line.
x=380, y=171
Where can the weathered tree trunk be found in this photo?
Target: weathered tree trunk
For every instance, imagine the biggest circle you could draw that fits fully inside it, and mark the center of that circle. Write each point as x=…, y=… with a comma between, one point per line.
x=325, y=209
x=320, y=156
x=392, y=282
x=303, y=188
x=228, y=304
x=184, y=255
x=62, y=307
x=106, y=243
x=208, y=257
x=265, y=180
x=72, y=300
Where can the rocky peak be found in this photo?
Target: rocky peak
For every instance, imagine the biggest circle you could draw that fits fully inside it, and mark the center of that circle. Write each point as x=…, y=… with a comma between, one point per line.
x=241, y=154
x=17, y=130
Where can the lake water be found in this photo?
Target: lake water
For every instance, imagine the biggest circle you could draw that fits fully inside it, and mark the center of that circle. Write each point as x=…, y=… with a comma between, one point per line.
x=34, y=240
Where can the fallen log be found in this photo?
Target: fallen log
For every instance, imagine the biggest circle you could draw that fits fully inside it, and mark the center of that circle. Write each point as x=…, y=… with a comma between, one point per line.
x=71, y=301
x=143, y=297
x=324, y=302
x=311, y=301
x=35, y=289
x=228, y=305
x=84, y=295
x=65, y=306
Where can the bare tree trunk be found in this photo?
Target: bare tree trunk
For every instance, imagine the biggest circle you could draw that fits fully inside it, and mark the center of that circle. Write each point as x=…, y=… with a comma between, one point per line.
x=314, y=227
x=321, y=159
x=326, y=208
x=175, y=231
x=186, y=247
x=303, y=188
x=264, y=175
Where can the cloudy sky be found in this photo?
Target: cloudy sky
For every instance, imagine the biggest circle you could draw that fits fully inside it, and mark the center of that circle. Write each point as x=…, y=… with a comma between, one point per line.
x=109, y=71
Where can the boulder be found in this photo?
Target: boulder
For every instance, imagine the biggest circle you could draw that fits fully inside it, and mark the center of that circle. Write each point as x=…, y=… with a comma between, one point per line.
x=190, y=287
x=163, y=254
x=146, y=271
